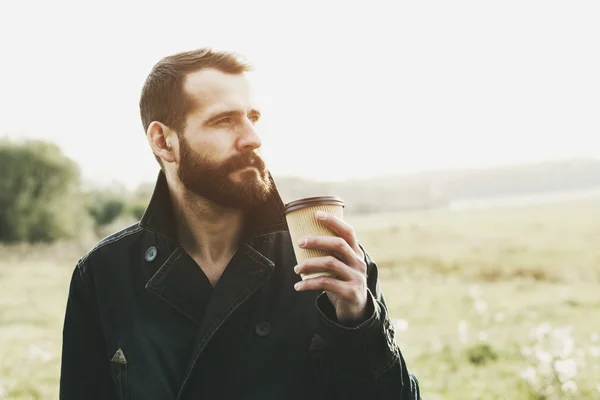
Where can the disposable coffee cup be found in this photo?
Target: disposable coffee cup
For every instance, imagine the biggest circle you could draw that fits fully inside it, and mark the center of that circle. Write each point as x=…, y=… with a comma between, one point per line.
x=301, y=219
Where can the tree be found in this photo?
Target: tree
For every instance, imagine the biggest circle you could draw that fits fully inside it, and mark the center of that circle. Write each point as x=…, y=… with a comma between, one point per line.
x=40, y=199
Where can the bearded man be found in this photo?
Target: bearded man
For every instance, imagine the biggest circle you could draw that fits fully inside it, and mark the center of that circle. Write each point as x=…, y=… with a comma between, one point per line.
x=202, y=298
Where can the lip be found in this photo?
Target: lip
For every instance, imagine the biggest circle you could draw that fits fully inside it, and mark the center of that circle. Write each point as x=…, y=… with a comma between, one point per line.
x=244, y=169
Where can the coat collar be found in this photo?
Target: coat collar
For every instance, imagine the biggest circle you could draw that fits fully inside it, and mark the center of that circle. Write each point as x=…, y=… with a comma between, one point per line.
x=177, y=279
x=158, y=217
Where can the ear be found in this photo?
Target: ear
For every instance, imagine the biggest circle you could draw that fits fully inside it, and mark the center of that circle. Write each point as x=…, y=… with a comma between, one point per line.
x=163, y=141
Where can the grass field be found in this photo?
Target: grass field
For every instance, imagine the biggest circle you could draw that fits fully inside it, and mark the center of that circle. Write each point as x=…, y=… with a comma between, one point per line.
x=489, y=304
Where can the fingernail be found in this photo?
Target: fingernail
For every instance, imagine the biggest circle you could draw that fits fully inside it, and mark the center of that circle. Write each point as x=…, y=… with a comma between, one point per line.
x=296, y=268
x=297, y=286
x=321, y=215
x=302, y=242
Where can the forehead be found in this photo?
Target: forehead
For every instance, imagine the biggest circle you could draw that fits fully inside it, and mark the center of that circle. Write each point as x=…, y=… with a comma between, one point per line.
x=210, y=88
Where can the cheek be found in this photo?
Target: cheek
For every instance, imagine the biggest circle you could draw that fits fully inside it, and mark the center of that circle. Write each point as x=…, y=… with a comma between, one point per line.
x=206, y=153
x=216, y=145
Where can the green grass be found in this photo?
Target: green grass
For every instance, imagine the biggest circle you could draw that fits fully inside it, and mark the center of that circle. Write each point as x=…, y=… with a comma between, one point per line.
x=531, y=265
x=526, y=266
x=32, y=300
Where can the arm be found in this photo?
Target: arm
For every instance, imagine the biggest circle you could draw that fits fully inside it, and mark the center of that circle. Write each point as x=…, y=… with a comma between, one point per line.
x=365, y=363
x=360, y=357
x=85, y=369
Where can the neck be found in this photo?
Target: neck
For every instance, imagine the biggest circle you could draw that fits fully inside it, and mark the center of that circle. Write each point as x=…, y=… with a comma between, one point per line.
x=206, y=230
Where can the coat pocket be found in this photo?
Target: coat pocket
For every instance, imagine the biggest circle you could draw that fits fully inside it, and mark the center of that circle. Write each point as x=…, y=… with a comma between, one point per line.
x=118, y=367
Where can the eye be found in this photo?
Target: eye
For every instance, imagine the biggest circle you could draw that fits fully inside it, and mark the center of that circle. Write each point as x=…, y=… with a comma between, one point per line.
x=224, y=121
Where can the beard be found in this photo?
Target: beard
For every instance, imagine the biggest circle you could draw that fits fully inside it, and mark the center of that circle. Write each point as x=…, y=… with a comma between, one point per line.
x=212, y=180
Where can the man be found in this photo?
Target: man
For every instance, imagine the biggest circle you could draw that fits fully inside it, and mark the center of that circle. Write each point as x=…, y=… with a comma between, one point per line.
x=202, y=299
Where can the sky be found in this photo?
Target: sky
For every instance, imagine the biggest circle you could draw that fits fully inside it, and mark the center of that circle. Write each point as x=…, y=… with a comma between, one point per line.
x=347, y=89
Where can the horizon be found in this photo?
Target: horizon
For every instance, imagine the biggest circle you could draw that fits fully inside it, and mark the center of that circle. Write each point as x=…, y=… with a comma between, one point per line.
x=397, y=175
x=420, y=88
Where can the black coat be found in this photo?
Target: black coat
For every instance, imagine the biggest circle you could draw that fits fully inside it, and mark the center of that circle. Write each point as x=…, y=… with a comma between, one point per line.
x=142, y=322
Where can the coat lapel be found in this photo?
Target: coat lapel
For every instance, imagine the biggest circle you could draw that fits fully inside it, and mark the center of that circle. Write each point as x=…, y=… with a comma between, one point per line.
x=181, y=283
x=245, y=274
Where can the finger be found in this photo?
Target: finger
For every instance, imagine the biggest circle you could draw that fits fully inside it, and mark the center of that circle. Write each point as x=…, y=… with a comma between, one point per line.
x=340, y=288
x=340, y=228
x=330, y=243
x=326, y=264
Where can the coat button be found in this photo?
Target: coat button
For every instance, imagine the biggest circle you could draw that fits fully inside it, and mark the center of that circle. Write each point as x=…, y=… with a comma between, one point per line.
x=151, y=253
x=262, y=329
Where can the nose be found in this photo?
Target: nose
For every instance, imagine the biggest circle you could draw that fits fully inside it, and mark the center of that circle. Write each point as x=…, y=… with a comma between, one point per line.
x=248, y=139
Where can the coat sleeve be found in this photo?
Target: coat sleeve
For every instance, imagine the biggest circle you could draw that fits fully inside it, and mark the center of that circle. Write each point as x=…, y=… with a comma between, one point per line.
x=364, y=362
x=85, y=369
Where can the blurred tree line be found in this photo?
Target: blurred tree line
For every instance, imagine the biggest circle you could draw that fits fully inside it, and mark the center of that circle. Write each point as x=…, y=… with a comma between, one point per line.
x=42, y=198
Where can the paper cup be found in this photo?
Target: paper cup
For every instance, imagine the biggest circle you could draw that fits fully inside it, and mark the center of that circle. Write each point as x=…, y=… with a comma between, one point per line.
x=301, y=219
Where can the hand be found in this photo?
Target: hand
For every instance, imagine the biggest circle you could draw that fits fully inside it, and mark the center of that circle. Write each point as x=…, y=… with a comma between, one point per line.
x=347, y=289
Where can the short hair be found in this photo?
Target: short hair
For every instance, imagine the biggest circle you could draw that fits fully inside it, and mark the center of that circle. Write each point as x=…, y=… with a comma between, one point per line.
x=163, y=99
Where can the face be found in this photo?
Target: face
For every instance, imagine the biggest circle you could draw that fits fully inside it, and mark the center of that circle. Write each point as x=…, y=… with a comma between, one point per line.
x=218, y=156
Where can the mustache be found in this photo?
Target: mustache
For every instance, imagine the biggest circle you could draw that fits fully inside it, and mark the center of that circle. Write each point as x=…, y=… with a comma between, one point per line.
x=244, y=160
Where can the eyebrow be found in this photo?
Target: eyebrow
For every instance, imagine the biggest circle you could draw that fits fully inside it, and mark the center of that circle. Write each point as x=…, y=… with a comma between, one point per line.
x=231, y=113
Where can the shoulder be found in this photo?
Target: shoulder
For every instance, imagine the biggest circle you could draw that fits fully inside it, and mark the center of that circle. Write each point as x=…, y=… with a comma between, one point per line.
x=110, y=246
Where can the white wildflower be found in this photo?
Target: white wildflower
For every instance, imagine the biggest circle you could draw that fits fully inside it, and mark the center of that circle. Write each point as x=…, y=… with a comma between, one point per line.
x=482, y=336
x=563, y=342
x=565, y=369
x=541, y=331
x=475, y=291
x=499, y=317
x=567, y=348
x=562, y=332
x=462, y=331
x=37, y=353
x=529, y=375
x=595, y=351
x=527, y=351
x=480, y=305
x=569, y=387
x=544, y=361
x=401, y=324
x=543, y=356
